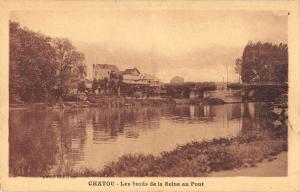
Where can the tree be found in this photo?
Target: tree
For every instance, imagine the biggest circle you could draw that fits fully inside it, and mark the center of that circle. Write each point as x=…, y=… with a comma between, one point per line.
x=112, y=86
x=70, y=68
x=31, y=65
x=103, y=83
x=115, y=81
x=81, y=86
x=264, y=62
x=95, y=84
x=40, y=66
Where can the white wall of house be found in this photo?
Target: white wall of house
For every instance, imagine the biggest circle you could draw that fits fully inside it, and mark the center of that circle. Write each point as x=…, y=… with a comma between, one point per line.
x=133, y=79
x=140, y=79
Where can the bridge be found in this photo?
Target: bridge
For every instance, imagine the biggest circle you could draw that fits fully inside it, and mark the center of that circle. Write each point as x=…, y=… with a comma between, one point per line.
x=256, y=85
x=260, y=90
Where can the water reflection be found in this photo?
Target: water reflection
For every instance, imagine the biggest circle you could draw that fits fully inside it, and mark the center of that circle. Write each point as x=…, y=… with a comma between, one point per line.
x=56, y=142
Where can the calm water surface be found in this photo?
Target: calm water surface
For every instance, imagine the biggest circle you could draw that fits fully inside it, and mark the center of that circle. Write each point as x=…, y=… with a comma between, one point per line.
x=46, y=142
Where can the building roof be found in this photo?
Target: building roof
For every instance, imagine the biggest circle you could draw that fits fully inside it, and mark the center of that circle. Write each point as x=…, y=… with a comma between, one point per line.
x=130, y=71
x=106, y=66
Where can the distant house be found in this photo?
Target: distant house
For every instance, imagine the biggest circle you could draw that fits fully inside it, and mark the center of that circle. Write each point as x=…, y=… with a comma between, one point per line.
x=177, y=80
x=133, y=76
x=101, y=71
x=133, y=71
x=151, y=80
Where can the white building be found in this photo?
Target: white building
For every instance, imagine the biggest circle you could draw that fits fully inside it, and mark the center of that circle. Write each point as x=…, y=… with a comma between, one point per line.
x=133, y=76
x=151, y=80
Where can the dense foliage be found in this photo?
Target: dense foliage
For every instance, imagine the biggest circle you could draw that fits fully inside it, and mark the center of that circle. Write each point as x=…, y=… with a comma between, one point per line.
x=263, y=62
x=41, y=67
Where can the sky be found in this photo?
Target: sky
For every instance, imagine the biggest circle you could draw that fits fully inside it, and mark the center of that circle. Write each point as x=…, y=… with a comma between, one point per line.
x=197, y=45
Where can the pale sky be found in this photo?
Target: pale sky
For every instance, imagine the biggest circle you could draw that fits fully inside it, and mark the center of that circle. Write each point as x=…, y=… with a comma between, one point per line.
x=196, y=45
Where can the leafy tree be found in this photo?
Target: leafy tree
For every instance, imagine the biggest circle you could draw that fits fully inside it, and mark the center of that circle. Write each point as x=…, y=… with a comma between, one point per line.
x=81, y=86
x=103, y=83
x=70, y=68
x=95, y=84
x=114, y=83
x=264, y=62
x=40, y=66
x=112, y=86
x=31, y=65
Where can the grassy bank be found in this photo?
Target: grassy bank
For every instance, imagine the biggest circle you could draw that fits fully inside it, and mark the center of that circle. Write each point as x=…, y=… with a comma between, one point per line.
x=99, y=103
x=197, y=158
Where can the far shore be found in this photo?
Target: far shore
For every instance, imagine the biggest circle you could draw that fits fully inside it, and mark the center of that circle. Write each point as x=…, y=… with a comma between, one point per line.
x=124, y=102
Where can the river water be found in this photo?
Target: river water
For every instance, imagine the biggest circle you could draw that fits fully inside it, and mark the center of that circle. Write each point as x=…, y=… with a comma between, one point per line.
x=49, y=142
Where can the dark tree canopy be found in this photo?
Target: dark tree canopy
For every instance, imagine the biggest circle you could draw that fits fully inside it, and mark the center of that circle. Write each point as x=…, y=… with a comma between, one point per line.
x=264, y=62
x=39, y=64
x=70, y=68
x=32, y=64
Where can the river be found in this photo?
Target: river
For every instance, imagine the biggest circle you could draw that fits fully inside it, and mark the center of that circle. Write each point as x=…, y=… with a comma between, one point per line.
x=50, y=142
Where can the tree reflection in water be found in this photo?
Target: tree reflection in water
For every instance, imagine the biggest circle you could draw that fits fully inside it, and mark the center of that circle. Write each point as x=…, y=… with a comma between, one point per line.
x=43, y=143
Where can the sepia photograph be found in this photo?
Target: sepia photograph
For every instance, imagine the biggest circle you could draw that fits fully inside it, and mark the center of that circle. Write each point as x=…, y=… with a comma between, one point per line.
x=153, y=93
x=150, y=96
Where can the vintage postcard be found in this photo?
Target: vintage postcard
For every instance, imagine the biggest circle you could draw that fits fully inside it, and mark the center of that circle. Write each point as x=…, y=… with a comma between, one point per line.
x=149, y=96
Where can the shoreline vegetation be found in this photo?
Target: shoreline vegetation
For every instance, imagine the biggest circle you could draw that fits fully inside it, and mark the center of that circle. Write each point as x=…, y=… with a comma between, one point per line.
x=118, y=102
x=197, y=158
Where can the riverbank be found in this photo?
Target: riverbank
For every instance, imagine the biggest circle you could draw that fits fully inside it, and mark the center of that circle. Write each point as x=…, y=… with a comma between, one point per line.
x=117, y=103
x=105, y=102
x=271, y=167
x=198, y=158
